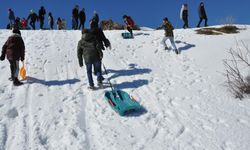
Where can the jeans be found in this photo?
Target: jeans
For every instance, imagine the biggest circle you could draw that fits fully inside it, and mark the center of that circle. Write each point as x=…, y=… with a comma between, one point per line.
x=171, y=41
x=14, y=68
x=201, y=21
x=97, y=68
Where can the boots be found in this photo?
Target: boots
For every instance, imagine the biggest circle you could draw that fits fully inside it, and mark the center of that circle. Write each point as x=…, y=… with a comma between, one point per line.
x=16, y=82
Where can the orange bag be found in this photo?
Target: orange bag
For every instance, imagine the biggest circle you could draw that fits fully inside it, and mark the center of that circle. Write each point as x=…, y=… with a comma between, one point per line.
x=22, y=73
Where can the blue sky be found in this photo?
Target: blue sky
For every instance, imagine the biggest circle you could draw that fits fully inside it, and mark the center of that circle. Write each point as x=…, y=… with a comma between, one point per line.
x=144, y=12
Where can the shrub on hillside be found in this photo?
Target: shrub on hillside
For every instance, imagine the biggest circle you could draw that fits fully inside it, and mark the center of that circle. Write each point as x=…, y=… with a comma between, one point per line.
x=110, y=25
x=228, y=29
x=237, y=69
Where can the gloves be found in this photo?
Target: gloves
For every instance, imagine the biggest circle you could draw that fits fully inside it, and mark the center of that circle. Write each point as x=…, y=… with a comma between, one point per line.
x=2, y=57
x=107, y=43
x=22, y=59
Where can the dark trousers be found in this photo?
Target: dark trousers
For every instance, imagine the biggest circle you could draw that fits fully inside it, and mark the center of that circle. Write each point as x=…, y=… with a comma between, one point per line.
x=74, y=23
x=185, y=23
x=201, y=21
x=130, y=30
x=33, y=25
x=97, y=68
x=14, y=68
x=81, y=25
x=41, y=23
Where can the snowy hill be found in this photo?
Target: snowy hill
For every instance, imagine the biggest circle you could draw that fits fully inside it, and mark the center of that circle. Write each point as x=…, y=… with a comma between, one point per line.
x=186, y=105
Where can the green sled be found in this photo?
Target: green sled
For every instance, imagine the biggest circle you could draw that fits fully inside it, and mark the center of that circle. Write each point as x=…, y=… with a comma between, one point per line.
x=127, y=35
x=121, y=102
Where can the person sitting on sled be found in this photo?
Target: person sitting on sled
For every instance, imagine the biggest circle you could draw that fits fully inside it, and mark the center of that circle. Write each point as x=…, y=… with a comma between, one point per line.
x=14, y=49
x=90, y=49
x=129, y=24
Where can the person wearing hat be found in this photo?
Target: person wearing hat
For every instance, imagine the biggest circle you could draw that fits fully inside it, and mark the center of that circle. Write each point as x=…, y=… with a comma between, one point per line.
x=82, y=18
x=169, y=34
x=202, y=14
x=129, y=24
x=89, y=49
x=33, y=18
x=14, y=48
x=94, y=21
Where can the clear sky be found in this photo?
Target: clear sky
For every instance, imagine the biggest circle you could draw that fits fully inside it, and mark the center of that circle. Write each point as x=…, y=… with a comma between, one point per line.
x=144, y=12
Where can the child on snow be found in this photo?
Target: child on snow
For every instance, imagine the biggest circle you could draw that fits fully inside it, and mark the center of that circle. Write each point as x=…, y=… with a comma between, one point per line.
x=89, y=49
x=169, y=34
x=14, y=49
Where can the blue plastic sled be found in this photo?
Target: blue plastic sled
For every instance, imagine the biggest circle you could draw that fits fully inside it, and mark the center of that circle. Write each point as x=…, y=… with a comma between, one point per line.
x=121, y=102
x=127, y=35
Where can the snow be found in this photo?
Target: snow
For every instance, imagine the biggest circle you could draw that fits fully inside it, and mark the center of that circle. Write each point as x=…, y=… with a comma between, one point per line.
x=185, y=103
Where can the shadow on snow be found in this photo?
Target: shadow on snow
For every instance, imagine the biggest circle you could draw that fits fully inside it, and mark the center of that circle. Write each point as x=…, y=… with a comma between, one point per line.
x=31, y=80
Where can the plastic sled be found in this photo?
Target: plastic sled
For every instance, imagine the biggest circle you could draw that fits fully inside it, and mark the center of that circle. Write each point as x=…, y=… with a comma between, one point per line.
x=121, y=102
x=22, y=72
x=127, y=35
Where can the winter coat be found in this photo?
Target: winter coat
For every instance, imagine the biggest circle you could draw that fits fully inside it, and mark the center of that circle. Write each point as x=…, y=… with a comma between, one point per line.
x=184, y=13
x=33, y=17
x=202, y=12
x=51, y=20
x=11, y=15
x=14, y=48
x=129, y=21
x=89, y=49
x=42, y=12
x=75, y=13
x=101, y=38
x=168, y=28
x=82, y=16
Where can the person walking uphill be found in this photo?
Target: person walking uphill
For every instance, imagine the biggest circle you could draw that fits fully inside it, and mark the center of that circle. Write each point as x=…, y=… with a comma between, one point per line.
x=89, y=49
x=169, y=34
x=14, y=49
x=51, y=21
x=41, y=15
x=184, y=15
x=129, y=24
x=202, y=14
x=94, y=21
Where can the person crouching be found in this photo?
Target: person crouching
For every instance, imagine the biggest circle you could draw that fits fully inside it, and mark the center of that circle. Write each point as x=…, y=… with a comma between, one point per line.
x=89, y=50
x=14, y=49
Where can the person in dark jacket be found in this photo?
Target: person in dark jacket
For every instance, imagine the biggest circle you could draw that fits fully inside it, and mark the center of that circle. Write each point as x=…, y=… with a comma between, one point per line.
x=51, y=21
x=41, y=15
x=94, y=21
x=33, y=18
x=75, y=13
x=184, y=15
x=89, y=49
x=169, y=34
x=17, y=24
x=202, y=14
x=129, y=23
x=14, y=49
x=11, y=17
x=82, y=18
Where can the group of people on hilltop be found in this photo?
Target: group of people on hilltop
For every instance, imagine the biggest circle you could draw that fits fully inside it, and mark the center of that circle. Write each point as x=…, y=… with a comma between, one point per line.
x=78, y=18
x=201, y=12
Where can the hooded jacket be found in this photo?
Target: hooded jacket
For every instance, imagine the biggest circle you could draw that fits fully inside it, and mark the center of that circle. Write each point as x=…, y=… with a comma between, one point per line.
x=202, y=12
x=89, y=49
x=168, y=28
x=14, y=47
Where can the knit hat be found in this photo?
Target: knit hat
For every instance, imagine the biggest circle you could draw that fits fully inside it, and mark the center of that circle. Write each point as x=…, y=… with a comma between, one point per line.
x=16, y=31
x=165, y=19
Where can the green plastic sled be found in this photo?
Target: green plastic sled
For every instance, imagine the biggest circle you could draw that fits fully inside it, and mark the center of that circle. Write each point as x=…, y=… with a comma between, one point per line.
x=127, y=35
x=121, y=102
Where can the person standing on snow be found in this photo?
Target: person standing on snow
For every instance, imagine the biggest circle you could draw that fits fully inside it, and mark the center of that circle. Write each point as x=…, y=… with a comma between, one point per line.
x=82, y=18
x=42, y=13
x=15, y=50
x=169, y=34
x=75, y=13
x=11, y=17
x=129, y=24
x=202, y=14
x=51, y=21
x=33, y=18
x=94, y=21
x=89, y=49
x=184, y=15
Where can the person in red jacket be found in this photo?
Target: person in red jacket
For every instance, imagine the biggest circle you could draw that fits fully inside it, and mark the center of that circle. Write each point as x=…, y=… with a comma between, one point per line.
x=14, y=49
x=129, y=23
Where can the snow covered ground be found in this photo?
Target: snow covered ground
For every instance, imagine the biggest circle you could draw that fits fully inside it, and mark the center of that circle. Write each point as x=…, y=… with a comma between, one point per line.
x=186, y=106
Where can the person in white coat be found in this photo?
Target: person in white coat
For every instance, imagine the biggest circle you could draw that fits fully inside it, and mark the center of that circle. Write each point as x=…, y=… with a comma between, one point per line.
x=184, y=15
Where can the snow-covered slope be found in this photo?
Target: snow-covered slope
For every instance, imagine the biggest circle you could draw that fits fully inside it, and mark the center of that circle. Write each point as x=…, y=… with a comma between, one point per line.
x=185, y=103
